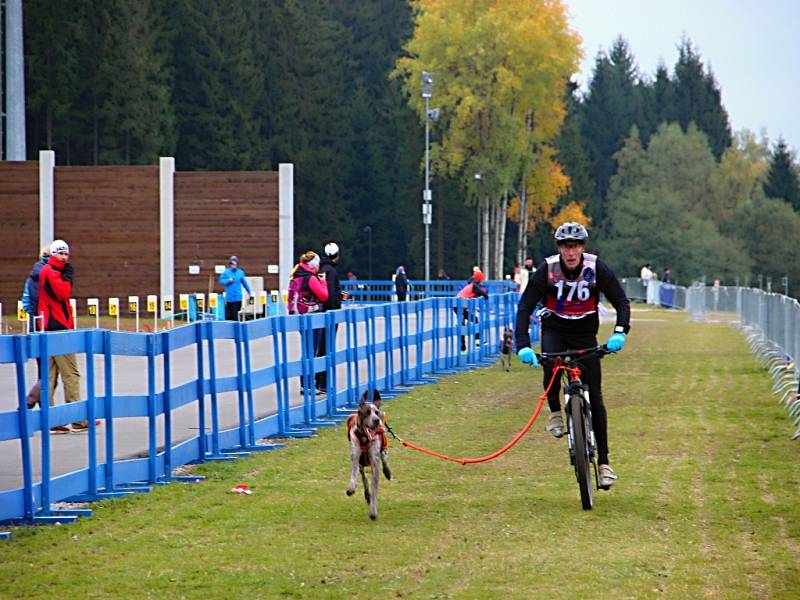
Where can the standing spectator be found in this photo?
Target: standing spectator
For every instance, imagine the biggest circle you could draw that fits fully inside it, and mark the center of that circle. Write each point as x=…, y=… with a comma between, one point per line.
x=525, y=273
x=473, y=289
x=312, y=292
x=30, y=303
x=401, y=283
x=667, y=276
x=327, y=271
x=442, y=275
x=233, y=278
x=55, y=287
x=647, y=276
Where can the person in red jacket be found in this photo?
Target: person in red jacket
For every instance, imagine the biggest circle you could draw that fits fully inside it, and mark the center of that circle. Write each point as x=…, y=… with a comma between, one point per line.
x=473, y=289
x=55, y=287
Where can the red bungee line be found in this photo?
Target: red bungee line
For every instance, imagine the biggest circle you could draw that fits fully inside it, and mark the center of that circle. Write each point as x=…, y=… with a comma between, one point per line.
x=518, y=437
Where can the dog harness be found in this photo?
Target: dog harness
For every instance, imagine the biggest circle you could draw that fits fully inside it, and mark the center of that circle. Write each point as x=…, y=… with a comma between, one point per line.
x=365, y=437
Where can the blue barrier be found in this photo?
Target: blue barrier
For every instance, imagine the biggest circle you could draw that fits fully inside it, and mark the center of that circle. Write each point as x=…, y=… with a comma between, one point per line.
x=393, y=338
x=380, y=291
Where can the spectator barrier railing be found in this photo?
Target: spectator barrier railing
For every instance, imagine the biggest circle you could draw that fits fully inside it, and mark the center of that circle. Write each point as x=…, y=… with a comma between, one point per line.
x=408, y=342
x=771, y=325
x=666, y=295
x=366, y=291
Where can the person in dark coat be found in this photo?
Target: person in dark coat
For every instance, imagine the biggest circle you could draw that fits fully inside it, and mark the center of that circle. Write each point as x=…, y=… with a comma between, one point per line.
x=30, y=302
x=401, y=283
x=327, y=268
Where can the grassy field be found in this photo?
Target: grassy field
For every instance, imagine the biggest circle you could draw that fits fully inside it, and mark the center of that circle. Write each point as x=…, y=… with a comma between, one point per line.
x=707, y=504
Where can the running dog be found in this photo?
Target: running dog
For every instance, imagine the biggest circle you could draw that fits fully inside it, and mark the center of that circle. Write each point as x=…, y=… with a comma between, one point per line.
x=368, y=443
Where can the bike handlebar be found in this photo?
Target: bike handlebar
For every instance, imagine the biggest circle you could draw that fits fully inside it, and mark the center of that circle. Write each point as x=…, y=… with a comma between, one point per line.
x=600, y=351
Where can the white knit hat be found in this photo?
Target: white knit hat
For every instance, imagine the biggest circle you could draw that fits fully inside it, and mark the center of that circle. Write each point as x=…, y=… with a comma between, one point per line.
x=331, y=249
x=58, y=246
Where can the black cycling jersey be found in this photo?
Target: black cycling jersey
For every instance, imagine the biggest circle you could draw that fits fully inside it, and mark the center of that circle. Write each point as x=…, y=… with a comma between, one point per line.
x=539, y=288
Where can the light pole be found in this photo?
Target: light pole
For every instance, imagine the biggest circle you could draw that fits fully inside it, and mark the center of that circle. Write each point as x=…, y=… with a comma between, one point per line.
x=478, y=181
x=427, y=215
x=368, y=230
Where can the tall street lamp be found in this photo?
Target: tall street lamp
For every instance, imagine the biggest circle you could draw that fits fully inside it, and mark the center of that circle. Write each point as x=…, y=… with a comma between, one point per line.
x=368, y=230
x=478, y=180
x=427, y=215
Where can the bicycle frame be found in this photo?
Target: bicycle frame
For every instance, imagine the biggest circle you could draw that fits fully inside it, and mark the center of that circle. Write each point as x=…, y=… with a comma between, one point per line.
x=575, y=390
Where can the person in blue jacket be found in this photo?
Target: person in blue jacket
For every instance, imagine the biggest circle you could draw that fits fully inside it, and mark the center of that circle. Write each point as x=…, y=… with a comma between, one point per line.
x=233, y=278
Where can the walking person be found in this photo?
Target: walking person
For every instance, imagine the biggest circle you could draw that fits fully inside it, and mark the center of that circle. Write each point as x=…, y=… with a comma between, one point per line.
x=30, y=303
x=569, y=284
x=55, y=287
x=401, y=283
x=233, y=278
x=329, y=274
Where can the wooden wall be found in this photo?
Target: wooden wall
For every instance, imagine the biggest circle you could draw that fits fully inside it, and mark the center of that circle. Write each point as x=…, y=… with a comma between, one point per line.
x=110, y=218
x=19, y=228
x=220, y=214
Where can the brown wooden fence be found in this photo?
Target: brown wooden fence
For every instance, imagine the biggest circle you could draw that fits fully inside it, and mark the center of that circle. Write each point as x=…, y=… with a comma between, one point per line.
x=19, y=228
x=220, y=214
x=110, y=217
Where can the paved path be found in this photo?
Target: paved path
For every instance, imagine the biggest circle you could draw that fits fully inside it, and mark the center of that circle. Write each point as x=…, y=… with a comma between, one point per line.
x=69, y=452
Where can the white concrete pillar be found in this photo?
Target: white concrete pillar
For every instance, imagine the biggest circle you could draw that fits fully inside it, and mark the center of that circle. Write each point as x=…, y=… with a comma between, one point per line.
x=286, y=258
x=47, y=166
x=15, y=82
x=167, y=234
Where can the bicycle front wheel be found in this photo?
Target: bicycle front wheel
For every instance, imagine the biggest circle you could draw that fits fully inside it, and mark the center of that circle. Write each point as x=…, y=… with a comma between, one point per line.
x=581, y=440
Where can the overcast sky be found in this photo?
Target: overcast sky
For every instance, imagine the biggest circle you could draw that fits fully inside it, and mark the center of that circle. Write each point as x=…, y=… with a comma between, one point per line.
x=753, y=48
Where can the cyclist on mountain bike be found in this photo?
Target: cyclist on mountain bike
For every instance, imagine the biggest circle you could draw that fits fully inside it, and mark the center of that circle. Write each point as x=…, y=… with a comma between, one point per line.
x=569, y=285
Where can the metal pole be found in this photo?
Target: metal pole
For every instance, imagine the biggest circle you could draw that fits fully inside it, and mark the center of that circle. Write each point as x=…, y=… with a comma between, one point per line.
x=2, y=82
x=15, y=82
x=478, y=230
x=426, y=207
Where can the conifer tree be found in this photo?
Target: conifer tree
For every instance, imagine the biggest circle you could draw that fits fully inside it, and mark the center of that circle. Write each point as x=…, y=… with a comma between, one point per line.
x=609, y=110
x=782, y=177
x=698, y=99
x=51, y=60
x=218, y=86
x=136, y=113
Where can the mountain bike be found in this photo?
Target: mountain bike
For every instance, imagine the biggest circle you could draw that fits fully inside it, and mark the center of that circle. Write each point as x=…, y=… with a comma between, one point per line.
x=580, y=434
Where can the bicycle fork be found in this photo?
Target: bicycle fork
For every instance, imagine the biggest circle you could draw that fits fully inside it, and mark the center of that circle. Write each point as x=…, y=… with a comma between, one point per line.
x=578, y=390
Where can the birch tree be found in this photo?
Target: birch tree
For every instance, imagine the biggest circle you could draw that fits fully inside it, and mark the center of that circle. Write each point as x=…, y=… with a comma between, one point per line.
x=500, y=68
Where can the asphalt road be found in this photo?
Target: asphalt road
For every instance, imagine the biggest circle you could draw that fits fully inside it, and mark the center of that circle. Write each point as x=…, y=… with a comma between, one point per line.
x=69, y=452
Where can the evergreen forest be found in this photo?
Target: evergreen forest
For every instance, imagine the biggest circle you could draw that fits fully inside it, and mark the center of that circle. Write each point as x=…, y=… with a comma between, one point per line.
x=646, y=159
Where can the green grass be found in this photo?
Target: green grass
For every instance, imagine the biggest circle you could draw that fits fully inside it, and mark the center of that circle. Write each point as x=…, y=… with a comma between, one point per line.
x=707, y=504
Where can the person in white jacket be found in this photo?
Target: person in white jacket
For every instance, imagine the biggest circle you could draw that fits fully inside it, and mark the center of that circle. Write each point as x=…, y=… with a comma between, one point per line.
x=648, y=280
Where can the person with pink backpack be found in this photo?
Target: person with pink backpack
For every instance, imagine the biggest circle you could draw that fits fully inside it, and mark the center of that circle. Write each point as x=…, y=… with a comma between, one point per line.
x=308, y=292
x=307, y=288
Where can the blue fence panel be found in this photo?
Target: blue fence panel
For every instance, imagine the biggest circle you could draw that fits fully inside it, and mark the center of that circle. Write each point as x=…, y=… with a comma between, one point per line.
x=385, y=347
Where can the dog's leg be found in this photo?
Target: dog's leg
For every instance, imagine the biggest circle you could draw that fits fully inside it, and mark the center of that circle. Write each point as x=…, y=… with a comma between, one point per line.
x=387, y=472
x=355, y=453
x=374, y=463
x=365, y=482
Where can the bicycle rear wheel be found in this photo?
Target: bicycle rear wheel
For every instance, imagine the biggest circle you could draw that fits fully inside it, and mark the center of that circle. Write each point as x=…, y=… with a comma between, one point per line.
x=580, y=439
